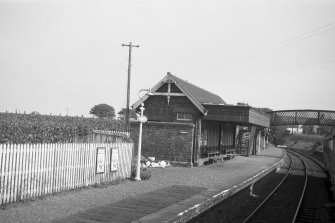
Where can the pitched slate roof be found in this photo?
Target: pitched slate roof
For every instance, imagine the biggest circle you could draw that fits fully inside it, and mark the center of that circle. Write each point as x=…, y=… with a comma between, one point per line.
x=201, y=95
x=195, y=94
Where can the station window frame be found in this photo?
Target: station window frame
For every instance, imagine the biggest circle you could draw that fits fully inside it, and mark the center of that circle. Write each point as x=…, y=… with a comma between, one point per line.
x=181, y=116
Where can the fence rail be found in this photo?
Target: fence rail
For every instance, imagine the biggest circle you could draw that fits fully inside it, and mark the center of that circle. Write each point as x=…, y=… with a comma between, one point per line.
x=33, y=170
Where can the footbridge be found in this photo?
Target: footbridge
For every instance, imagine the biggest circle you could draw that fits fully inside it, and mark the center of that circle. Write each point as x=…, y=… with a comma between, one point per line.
x=302, y=117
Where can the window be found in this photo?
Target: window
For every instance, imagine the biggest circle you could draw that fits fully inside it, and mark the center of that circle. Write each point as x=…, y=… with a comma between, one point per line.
x=184, y=116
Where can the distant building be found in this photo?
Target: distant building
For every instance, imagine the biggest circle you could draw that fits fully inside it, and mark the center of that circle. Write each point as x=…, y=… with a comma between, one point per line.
x=296, y=129
x=311, y=129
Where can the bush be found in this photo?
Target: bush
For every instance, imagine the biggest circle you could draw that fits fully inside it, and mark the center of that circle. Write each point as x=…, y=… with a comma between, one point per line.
x=25, y=128
x=317, y=144
x=145, y=173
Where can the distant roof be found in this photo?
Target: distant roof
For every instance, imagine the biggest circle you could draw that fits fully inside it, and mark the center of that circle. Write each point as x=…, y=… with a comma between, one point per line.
x=201, y=95
x=197, y=95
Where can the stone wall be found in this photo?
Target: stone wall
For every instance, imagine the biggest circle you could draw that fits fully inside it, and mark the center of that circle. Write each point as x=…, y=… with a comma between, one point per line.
x=166, y=141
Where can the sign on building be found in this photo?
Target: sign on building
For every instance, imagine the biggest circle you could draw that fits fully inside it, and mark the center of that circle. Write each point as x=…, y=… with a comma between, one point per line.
x=114, y=159
x=101, y=160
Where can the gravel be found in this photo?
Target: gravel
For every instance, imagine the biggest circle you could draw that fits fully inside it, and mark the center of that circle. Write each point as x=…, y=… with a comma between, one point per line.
x=224, y=174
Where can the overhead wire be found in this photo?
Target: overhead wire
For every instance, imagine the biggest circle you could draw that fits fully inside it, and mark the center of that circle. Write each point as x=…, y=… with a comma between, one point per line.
x=295, y=39
x=198, y=23
x=206, y=22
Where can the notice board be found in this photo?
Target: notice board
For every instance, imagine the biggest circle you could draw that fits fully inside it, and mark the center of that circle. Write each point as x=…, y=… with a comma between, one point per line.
x=114, y=159
x=101, y=160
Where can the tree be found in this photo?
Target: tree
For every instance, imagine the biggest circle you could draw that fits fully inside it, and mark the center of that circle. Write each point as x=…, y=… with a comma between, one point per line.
x=122, y=114
x=265, y=110
x=242, y=104
x=35, y=113
x=279, y=135
x=103, y=111
x=323, y=130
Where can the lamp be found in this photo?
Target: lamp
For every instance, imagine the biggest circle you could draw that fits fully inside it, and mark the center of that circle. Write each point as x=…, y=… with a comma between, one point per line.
x=149, y=93
x=142, y=120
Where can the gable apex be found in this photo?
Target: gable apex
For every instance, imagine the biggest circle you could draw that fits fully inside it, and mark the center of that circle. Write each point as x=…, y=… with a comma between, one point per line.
x=195, y=94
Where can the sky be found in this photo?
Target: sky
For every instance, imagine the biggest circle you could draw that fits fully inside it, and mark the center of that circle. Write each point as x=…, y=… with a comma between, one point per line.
x=64, y=57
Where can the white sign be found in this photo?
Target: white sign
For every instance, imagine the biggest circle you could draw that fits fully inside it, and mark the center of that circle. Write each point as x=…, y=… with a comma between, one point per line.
x=114, y=159
x=101, y=158
x=143, y=119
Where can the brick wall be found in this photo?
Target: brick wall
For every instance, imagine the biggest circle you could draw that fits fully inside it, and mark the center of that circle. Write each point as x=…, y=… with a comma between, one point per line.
x=166, y=141
x=157, y=108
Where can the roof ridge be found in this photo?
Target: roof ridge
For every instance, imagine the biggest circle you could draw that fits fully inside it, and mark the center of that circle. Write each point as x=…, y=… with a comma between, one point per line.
x=178, y=78
x=193, y=84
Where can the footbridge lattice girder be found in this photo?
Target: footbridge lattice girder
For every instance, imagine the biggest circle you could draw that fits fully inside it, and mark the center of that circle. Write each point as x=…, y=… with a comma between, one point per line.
x=302, y=117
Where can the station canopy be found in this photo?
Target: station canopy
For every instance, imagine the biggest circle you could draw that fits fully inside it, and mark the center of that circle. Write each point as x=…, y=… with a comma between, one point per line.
x=240, y=115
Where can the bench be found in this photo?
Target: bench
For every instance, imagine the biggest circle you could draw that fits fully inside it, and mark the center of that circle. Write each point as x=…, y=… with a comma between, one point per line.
x=214, y=156
x=231, y=153
x=213, y=153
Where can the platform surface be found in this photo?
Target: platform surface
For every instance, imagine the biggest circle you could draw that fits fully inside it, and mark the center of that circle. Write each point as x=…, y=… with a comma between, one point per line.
x=180, y=201
x=133, y=208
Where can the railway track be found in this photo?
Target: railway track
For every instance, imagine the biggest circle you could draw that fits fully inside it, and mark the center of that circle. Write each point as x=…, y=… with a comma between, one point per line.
x=316, y=205
x=316, y=157
x=283, y=203
x=294, y=193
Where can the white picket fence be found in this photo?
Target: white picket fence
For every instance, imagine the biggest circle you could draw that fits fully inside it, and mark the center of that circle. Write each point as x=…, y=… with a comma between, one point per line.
x=33, y=170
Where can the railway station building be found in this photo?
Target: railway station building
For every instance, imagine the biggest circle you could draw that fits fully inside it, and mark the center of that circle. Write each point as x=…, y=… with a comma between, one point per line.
x=190, y=126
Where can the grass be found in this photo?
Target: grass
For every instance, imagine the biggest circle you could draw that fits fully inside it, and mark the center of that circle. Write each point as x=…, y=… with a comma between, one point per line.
x=305, y=138
x=306, y=142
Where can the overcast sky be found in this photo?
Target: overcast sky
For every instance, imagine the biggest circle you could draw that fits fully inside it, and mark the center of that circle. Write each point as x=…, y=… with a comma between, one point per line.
x=67, y=55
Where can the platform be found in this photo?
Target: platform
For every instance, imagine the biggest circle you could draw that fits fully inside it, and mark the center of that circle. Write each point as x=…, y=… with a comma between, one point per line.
x=177, y=203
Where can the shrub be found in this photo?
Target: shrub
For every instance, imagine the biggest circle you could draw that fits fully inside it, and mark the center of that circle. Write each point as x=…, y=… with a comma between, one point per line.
x=145, y=173
x=24, y=128
x=317, y=144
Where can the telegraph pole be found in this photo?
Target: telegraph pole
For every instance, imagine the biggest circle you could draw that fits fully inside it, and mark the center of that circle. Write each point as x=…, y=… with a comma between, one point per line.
x=130, y=45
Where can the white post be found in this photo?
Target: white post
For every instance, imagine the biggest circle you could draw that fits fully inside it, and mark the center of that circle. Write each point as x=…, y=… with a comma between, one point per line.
x=138, y=176
x=259, y=141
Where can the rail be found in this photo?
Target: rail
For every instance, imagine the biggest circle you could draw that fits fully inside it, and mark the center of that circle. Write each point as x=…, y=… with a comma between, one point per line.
x=304, y=189
x=268, y=197
x=271, y=195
